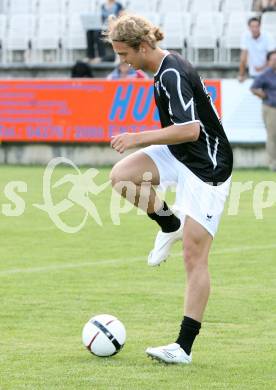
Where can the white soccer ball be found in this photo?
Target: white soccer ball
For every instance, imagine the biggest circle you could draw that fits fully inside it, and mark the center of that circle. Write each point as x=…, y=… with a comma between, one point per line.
x=104, y=335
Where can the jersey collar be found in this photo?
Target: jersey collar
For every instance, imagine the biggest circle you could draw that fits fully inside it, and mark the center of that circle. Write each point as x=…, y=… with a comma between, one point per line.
x=161, y=63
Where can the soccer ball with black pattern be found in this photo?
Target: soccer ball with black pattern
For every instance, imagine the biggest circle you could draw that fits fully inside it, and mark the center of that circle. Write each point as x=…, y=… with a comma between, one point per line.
x=104, y=335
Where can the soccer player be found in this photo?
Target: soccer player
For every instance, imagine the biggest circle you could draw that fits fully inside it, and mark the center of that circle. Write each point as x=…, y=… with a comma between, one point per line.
x=192, y=151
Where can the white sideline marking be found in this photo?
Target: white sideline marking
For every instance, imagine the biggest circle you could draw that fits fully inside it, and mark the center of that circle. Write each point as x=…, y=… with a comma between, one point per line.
x=57, y=267
x=68, y=266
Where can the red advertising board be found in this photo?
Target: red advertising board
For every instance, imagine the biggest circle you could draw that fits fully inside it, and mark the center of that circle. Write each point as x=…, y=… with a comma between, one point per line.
x=79, y=110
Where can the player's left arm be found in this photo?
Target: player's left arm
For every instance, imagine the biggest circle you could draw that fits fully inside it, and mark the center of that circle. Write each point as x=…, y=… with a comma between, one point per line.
x=175, y=134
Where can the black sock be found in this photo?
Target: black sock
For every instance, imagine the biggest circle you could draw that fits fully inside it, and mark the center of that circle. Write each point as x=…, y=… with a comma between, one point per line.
x=166, y=219
x=188, y=331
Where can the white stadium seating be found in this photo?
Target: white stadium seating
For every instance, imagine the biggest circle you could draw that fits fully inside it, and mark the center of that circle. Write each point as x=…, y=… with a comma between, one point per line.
x=176, y=6
x=237, y=5
x=21, y=7
x=206, y=32
x=177, y=29
x=138, y=6
x=20, y=33
x=3, y=27
x=231, y=40
x=51, y=7
x=38, y=28
x=172, y=26
x=81, y=6
x=154, y=17
x=51, y=29
x=187, y=23
x=74, y=38
x=2, y=6
x=204, y=6
x=269, y=23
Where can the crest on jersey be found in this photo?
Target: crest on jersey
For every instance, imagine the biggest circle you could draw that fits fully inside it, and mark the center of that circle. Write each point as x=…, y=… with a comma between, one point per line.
x=157, y=86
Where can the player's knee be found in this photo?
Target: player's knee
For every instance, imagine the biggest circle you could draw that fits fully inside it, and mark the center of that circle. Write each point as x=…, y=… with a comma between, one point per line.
x=123, y=176
x=115, y=176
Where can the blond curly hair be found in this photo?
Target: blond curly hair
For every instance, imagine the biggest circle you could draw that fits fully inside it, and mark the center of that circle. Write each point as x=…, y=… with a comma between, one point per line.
x=133, y=30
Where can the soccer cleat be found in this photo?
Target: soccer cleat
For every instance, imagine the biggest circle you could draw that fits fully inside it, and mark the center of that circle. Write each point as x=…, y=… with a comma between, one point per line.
x=163, y=244
x=171, y=353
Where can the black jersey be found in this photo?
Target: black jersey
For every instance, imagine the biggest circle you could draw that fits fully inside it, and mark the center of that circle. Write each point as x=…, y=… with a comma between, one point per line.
x=182, y=98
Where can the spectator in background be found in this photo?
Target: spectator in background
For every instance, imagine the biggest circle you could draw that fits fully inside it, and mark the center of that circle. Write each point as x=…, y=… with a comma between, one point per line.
x=81, y=69
x=96, y=47
x=254, y=48
x=110, y=7
x=266, y=5
x=124, y=71
x=264, y=86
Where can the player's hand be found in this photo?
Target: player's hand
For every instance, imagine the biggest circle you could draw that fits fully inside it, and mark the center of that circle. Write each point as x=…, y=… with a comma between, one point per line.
x=124, y=141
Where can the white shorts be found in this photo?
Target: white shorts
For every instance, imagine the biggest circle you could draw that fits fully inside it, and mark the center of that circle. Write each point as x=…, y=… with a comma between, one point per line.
x=195, y=198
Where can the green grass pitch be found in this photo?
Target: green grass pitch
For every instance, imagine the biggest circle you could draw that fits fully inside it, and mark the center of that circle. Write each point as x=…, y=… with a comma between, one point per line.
x=51, y=283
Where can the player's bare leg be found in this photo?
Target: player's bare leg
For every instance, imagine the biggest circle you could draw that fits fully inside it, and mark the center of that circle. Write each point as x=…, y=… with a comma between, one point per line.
x=132, y=169
x=197, y=242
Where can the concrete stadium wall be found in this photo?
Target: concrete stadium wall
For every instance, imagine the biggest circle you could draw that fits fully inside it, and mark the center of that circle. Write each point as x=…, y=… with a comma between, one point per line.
x=63, y=71
x=245, y=156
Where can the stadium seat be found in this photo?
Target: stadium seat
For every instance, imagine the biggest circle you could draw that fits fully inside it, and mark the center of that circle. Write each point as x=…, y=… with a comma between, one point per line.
x=75, y=38
x=216, y=18
x=154, y=17
x=205, y=34
x=186, y=26
x=204, y=6
x=51, y=7
x=231, y=40
x=51, y=29
x=139, y=6
x=236, y=17
x=236, y=20
x=21, y=7
x=171, y=6
x=20, y=32
x=177, y=21
x=3, y=35
x=3, y=4
x=81, y=6
x=269, y=23
x=172, y=25
x=237, y=5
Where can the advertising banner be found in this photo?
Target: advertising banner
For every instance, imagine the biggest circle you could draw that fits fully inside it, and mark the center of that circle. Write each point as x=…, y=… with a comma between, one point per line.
x=79, y=110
